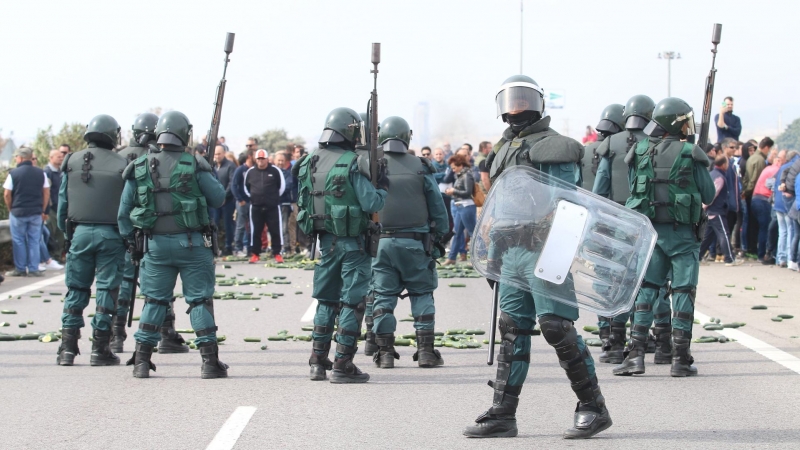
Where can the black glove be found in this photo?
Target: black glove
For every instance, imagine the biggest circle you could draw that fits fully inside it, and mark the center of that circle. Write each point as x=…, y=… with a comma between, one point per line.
x=383, y=178
x=136, y=254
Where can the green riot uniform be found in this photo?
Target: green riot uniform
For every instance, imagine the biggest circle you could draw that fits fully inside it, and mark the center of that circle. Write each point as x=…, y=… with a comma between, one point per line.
x=529, y=140
x=91, y=177
x=406, y=256
x=335, y=200
x=167, y=195
x=670, y=183
x=590, y=162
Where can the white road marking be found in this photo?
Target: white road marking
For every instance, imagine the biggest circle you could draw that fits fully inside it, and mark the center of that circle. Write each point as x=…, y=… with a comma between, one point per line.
x=309, y=315
x=32, y=287
x=762, y=348
x=232, y=428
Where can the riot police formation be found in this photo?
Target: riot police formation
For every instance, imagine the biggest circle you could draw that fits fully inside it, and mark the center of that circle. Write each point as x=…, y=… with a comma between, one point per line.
x=670, y=184
x=407, y=253
x=165, y=202
x=91, y=177
x=335, y=201
x=530, y=141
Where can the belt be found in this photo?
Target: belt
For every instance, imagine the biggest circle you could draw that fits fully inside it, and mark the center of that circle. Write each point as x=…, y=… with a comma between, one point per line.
x=762, y=197
x=415, y=236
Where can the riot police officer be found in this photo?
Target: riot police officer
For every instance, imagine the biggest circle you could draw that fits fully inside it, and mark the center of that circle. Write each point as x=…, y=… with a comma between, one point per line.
x=144, y=136
x=166, y=199
x=529, y=140
x=335, y=200
x=670, y=183
x=407, y=256
x=612, y=183
x=610, y=123
x=91, y=177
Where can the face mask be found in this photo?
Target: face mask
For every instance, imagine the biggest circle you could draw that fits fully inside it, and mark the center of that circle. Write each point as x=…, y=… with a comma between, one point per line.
x=522, y=120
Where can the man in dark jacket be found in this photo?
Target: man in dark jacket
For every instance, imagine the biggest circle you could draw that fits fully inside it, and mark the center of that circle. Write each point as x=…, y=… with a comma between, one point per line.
x=27, y=191
x=717, y=214
x=264, y=185
x=288, y=202
x=225, y=170
x=53, y=172
x=242, y=238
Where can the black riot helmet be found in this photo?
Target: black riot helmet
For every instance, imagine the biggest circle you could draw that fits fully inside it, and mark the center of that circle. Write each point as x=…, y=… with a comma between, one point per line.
x=520, y=101
x=638, y=112
x=144, y=128
x=611, y=121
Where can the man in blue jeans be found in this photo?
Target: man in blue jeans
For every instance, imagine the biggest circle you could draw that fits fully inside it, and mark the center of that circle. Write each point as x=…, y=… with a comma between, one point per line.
x=27, y=191
x=242, y=237
x=762, y=207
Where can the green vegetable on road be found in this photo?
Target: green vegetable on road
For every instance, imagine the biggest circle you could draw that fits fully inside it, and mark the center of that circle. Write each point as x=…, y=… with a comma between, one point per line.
x=769, y=296
x=8, y=311
x=457, y=285
x=253, y=339
x=759, y=307
x=749, y=288
x=777, y=319
x=786, y=316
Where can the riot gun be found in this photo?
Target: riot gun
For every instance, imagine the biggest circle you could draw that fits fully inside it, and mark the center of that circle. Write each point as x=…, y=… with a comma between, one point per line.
x=374, y=231
x=709, y=93
x=213, y=131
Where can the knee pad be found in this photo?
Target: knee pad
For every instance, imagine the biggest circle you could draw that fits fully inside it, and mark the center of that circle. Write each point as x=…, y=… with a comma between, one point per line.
x=207, y=302
x=509, y=329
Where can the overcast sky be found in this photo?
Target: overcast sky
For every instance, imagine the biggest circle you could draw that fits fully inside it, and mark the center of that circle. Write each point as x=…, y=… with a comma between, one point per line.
x=293, y=61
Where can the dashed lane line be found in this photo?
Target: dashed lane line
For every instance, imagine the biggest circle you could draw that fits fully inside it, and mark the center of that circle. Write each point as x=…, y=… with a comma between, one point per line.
x=232, y=428
x=762, y=348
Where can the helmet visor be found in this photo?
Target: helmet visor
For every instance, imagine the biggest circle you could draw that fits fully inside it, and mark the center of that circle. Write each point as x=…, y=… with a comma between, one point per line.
x=395, y=146
x=636, y=123
x=653, y=129
x=169, y=139
x=516, y=99
x=362, y=133
x=607, y=126
x=687, y=128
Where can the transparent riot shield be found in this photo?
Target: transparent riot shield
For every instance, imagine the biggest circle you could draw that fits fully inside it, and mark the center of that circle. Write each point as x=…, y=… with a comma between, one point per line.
x=552, y=239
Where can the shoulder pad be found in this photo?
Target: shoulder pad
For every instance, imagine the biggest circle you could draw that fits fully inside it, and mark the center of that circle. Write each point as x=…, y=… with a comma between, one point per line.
x=202, y=164
x=698, y=155
x=427, y=163
x=555, y=150
x=363, y=166
x=130, y=171
x=604, y=147
x=297, y=164
x=499, y=144
x=65, y=163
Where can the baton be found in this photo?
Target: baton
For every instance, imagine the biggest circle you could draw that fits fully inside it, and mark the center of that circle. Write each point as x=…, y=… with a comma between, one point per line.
x=493, y=330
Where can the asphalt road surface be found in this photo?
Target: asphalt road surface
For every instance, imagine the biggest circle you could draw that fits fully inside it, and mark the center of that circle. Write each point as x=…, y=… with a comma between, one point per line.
x=744, y=397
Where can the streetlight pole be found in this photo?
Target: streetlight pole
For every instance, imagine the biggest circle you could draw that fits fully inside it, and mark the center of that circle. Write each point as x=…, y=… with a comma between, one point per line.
x=669, y=56
x=520, y=37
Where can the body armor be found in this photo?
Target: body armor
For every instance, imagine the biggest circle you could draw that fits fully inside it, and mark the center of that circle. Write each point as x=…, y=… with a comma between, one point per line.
x=94, y=186
x=616, y=147
x=404, y=201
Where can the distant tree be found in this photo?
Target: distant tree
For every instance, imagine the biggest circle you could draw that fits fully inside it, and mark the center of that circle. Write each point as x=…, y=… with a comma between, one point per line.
x=70, y=134
x=790, y=139
x=276, y=140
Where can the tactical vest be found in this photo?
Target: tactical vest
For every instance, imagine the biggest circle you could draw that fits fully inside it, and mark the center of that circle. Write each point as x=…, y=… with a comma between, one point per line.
x=664, y=188
x=327, y=200
x=514, y=152
x=133, y=151
x=168, y=197
x=589, y=164
x=618, y=146
x=94, y=185
x=406, y=206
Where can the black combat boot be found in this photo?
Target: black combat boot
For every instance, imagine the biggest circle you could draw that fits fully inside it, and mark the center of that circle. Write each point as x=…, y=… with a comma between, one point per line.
x=101, y=352
x=663, y=333
x=119, y=334
x=651, y=344
x=500, y=420
x=426, y=355
x=634, y=358
x=344, y=371
x=212, y=366
x=370, y=347
x=320, y=363
x=603, y=334
x=69, y=346
x=386, y=354
x=681, y=355
x=171, y=340
x=141, y=361
x=614, y=347
x=591, y=417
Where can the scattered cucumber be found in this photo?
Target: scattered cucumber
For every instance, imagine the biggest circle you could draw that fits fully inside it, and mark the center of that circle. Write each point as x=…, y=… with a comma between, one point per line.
x=759, y=307
x=769, y=296
x=457, y=285
x=589, y=328
x=253, y=339
x=749, y=288
x=8, y=311
x=786, y=316
x=777, y=319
